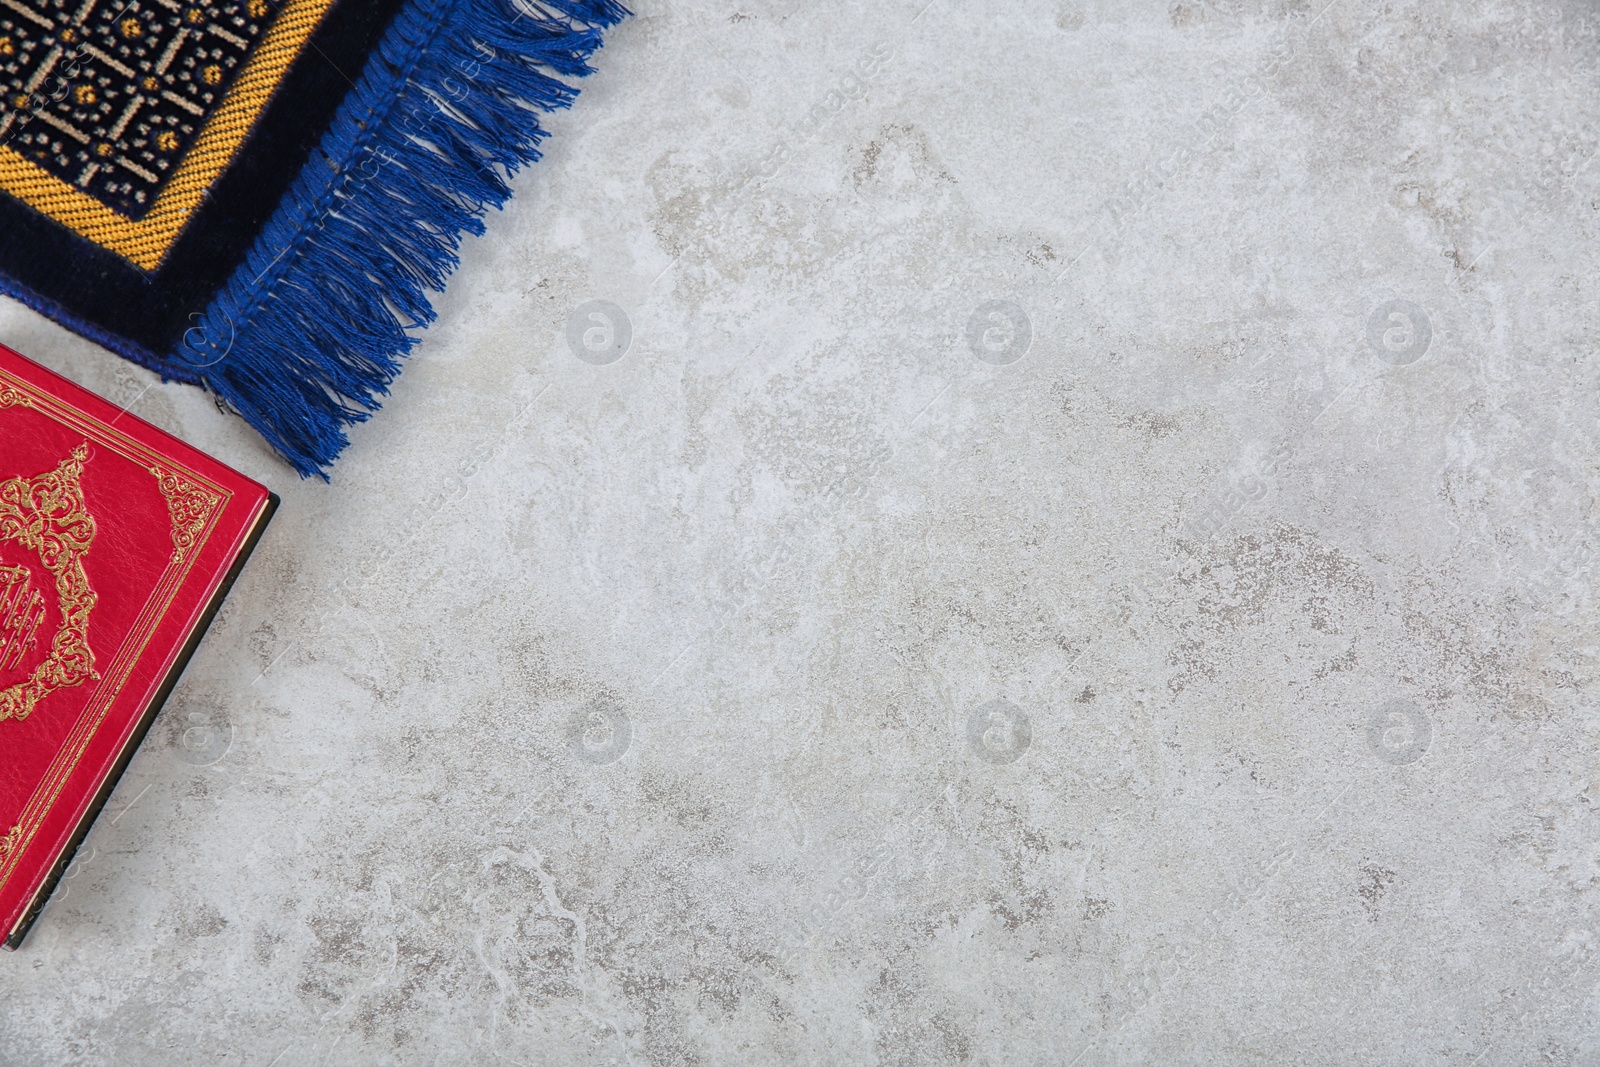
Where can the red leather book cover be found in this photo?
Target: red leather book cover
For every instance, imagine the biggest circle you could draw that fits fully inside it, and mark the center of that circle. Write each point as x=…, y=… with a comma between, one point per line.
x=117, y=542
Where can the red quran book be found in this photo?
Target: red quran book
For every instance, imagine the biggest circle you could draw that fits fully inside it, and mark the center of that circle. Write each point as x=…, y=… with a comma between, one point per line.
x=117, y=544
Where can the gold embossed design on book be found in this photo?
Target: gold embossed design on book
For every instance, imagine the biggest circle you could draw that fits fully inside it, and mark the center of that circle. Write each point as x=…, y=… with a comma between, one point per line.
x=191, y=507
x=189, y=497
x=46, y=516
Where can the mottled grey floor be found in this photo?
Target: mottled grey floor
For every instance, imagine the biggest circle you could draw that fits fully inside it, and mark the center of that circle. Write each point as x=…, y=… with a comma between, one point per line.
x=1085, y=557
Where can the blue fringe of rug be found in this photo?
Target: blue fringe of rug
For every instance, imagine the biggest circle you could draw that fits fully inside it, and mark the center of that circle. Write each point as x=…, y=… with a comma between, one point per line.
x=311, y=329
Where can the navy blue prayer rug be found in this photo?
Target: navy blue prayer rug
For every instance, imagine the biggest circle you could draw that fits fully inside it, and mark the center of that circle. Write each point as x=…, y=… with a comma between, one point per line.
x=258, y=196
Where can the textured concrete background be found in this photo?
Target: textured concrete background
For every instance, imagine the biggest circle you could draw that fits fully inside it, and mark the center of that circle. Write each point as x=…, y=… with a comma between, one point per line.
x=1085, y=557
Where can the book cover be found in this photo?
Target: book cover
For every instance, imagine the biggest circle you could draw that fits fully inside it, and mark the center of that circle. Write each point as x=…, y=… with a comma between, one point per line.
x=117, y=544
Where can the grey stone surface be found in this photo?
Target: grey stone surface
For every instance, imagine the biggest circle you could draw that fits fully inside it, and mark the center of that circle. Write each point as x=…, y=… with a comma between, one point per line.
x=1085, y=558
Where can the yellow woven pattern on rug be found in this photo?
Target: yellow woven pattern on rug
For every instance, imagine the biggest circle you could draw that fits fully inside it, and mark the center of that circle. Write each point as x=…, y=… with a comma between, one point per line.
x=146, y=241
